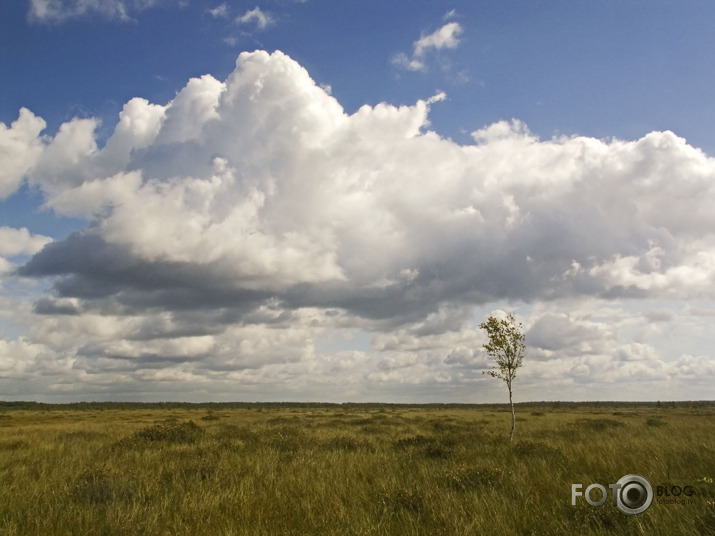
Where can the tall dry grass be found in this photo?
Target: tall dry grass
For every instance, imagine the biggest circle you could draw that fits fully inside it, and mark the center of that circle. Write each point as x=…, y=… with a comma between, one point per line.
x=348, y=470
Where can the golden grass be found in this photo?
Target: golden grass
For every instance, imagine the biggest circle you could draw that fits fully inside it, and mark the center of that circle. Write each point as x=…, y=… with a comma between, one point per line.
x=348, y=470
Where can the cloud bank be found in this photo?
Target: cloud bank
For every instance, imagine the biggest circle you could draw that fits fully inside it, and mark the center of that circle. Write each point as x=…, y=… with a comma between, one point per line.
x=243, y=233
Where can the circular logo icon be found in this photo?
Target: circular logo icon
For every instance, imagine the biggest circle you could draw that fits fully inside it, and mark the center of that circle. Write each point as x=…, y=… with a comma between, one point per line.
x=634, y=495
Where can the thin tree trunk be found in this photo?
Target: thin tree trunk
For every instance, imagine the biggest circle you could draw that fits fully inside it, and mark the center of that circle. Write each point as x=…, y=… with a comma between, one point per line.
x=513, y=417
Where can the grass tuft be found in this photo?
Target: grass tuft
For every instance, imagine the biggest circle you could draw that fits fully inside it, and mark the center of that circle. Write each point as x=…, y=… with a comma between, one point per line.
x=402, y=499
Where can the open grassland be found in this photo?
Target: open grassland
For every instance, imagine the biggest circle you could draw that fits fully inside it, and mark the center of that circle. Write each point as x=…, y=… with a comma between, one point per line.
x=348, y=470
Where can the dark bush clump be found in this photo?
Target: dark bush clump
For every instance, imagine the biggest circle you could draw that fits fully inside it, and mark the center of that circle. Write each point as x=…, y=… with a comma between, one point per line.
x=598, y=425
x=347, y=443
x=413, y=441
x=654, y=422
x=171, y=432
x=533, y=450
x=472, y=478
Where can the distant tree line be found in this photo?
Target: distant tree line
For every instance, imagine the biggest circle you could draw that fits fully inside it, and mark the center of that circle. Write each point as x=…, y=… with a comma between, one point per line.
x=556, y=405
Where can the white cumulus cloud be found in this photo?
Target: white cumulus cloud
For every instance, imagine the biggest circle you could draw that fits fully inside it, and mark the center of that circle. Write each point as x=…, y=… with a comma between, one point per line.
x=446, y=37
x=235, y=229
x=20, y=148
x=20, y=242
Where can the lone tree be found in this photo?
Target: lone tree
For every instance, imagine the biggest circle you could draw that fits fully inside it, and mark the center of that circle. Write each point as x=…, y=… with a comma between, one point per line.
x=506, y=344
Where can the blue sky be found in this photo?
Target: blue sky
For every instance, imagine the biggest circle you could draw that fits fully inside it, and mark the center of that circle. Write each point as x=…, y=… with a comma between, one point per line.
x=331, y=219
x=599, y=69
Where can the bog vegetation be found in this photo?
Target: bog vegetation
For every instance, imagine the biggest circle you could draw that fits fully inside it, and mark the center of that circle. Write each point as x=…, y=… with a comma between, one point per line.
x=285, y=469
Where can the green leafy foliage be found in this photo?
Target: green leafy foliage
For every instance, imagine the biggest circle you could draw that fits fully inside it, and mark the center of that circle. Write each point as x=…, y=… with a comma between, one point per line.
x=506, y=345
